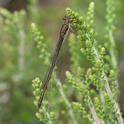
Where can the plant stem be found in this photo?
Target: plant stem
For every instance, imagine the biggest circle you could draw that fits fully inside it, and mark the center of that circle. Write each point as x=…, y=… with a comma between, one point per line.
x=70, y=111
x=93, y=112
x=108, y=90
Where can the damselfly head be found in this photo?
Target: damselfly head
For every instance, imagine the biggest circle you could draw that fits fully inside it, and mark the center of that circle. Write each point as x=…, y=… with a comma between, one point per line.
x=67, y=19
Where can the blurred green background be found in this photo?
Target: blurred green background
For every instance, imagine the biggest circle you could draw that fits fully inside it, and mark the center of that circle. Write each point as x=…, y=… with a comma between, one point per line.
x=19, y=62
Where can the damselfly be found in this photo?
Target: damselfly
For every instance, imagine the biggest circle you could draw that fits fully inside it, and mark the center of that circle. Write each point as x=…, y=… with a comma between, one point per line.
x=63, y=32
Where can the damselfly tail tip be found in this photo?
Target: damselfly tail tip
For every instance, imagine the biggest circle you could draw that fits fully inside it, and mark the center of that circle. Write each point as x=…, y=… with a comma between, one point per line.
x=40, y=102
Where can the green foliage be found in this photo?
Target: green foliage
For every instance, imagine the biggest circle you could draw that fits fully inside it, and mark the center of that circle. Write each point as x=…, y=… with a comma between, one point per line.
x=89, y=93
x=41, y=45
x=17, y=67
x=95, y=87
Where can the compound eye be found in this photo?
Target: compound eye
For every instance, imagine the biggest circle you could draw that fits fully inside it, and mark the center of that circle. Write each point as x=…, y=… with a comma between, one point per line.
x=64, y=18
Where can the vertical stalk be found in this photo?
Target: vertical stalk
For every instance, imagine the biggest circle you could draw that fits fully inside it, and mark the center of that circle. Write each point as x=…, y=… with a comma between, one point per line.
x=70, y=111
x=93, y=112
x=21, y=60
